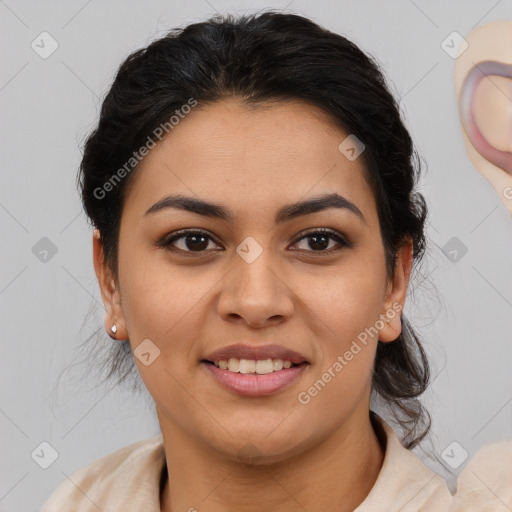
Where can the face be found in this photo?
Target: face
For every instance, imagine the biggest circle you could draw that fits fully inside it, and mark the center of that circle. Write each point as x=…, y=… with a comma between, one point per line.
x=252, y=271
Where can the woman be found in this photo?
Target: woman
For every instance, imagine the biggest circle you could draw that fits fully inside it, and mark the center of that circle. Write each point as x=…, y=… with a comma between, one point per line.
x=252, y=189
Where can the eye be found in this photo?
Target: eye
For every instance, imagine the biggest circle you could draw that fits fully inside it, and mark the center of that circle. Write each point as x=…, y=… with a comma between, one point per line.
x=190, y=241
x=197, y=241
x=319, y=239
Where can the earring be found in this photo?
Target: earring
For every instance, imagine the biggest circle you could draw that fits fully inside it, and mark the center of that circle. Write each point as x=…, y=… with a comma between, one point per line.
x=114, y=328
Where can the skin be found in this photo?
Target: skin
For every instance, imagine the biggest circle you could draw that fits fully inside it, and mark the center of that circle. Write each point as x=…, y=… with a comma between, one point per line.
x=320, y=456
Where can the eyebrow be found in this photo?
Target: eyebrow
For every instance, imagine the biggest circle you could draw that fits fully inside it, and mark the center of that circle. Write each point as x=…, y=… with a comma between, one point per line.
x=286, y=213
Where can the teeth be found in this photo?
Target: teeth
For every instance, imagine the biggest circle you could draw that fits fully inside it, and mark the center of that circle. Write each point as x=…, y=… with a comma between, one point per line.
x=277, y=364
x=233, y=365
x=247, y=366
x=260, y=366
x=264, y=366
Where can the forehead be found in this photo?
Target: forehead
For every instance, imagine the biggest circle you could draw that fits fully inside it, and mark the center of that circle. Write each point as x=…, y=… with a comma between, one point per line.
x=266, y=154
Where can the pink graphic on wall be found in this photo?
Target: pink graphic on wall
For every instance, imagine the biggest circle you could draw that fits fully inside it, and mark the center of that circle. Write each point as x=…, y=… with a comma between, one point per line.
x=483, y=83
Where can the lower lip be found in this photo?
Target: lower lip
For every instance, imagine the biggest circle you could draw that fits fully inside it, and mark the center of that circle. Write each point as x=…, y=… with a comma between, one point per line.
x=253, y=384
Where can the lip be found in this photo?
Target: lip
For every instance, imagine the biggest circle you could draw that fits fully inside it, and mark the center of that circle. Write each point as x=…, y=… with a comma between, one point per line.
x=246, y=351
x=254, y=384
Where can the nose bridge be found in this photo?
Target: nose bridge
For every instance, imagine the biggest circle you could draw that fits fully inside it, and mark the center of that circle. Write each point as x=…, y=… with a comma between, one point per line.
x=253, y=269
x=253, y=288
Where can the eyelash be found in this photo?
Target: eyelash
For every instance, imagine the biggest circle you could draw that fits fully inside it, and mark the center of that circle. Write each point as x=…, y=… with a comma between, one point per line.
x=166, y=242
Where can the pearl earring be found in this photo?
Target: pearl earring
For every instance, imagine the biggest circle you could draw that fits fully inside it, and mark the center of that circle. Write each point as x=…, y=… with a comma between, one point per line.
x=114, y=328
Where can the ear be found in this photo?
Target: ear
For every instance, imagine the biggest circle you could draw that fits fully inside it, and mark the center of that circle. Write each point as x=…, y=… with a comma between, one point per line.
x=396, y=293
x=109, y=291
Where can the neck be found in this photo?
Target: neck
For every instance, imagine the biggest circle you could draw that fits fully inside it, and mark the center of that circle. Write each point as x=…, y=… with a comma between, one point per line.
x=341, y=471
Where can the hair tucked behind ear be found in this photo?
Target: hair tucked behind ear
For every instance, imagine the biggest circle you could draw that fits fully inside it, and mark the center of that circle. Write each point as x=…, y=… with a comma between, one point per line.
x=257, y=58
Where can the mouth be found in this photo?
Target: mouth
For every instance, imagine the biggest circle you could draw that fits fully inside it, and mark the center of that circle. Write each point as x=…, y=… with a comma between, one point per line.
x=255, y=370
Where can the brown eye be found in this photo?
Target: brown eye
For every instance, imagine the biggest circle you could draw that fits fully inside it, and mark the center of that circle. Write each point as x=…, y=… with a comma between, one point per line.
x=319, y=240
x=190, y=241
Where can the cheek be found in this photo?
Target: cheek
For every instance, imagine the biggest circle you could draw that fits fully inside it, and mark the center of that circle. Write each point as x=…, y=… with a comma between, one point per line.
x=345, y=302
x=165, y=304
x=344, y=309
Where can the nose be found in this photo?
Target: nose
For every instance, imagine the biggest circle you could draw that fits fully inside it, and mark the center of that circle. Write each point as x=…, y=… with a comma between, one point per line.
x=256, y=293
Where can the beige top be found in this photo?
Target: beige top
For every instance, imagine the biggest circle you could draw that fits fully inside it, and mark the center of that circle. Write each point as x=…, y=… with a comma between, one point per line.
x=130, y=480
x=485, y=484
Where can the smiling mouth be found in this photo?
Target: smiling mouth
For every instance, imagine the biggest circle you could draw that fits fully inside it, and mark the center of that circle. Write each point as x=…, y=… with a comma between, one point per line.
x=255, y=377
x=253, y=366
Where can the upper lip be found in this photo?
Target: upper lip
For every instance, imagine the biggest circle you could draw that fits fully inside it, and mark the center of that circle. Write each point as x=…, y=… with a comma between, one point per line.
x=256, y=352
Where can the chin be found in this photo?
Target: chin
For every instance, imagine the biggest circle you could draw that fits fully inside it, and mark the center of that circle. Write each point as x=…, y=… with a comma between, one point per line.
x=261, y=449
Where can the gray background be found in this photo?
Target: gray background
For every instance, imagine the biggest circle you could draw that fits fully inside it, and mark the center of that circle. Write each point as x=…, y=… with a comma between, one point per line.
x=461, y=309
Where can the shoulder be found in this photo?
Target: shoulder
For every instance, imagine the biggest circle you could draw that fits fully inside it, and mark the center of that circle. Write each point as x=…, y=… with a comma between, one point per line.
x=110, y=482
x=405, y=483
x=485, y=484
